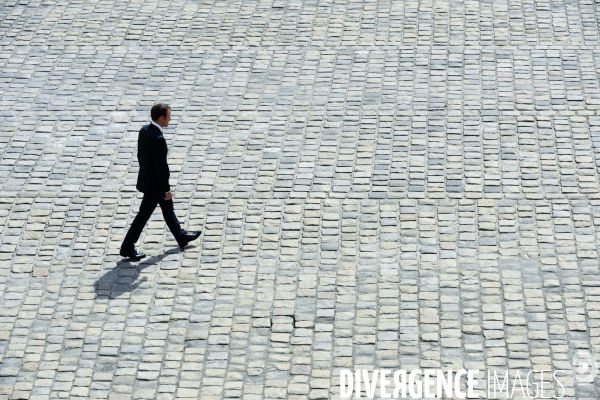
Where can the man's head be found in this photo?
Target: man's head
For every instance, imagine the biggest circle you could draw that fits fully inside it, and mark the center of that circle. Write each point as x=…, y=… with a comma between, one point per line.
x=161, y=114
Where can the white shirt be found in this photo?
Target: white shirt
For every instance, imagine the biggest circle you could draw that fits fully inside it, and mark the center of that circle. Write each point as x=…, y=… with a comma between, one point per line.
x=158, y=126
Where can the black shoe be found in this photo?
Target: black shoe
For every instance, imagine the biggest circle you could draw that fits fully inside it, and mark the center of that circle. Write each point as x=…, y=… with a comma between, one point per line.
x=188, y=237
x=132, y=254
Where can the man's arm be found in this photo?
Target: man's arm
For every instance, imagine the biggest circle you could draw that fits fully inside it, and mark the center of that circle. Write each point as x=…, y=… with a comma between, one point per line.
x=161, y=168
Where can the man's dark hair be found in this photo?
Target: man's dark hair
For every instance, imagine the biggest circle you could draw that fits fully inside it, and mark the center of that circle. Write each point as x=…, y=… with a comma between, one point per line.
x=159, y=110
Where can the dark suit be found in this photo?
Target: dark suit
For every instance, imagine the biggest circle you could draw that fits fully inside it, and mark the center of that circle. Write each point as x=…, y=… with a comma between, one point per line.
x=153, y=181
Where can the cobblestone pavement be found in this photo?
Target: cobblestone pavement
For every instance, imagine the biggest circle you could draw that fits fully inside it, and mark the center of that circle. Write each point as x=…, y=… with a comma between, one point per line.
x=380, y=185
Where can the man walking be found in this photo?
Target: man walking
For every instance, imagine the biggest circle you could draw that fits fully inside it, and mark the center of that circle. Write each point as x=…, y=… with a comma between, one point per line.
x=153, y=181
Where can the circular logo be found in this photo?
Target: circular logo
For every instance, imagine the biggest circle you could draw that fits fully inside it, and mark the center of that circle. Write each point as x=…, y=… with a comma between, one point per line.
x=585, y=367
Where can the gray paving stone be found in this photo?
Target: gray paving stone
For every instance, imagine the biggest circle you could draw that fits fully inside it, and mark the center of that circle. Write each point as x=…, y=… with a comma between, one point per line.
x=390, y=185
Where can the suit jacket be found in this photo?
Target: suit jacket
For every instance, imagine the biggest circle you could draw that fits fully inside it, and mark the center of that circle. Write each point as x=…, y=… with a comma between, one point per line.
x=153, y=176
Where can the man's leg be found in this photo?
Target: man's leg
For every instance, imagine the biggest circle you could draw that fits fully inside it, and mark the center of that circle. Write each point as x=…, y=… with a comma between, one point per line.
x=141, y=219
x=170, y=218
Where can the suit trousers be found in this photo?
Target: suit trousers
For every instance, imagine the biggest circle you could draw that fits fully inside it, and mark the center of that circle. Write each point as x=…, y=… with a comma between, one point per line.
x=149, y=203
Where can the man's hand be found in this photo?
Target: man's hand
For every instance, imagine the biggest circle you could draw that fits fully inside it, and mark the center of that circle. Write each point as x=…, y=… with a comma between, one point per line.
x=168, y=195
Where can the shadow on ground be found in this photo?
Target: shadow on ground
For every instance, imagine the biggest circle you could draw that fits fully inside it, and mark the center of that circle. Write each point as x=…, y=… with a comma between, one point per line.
x=124, y=277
